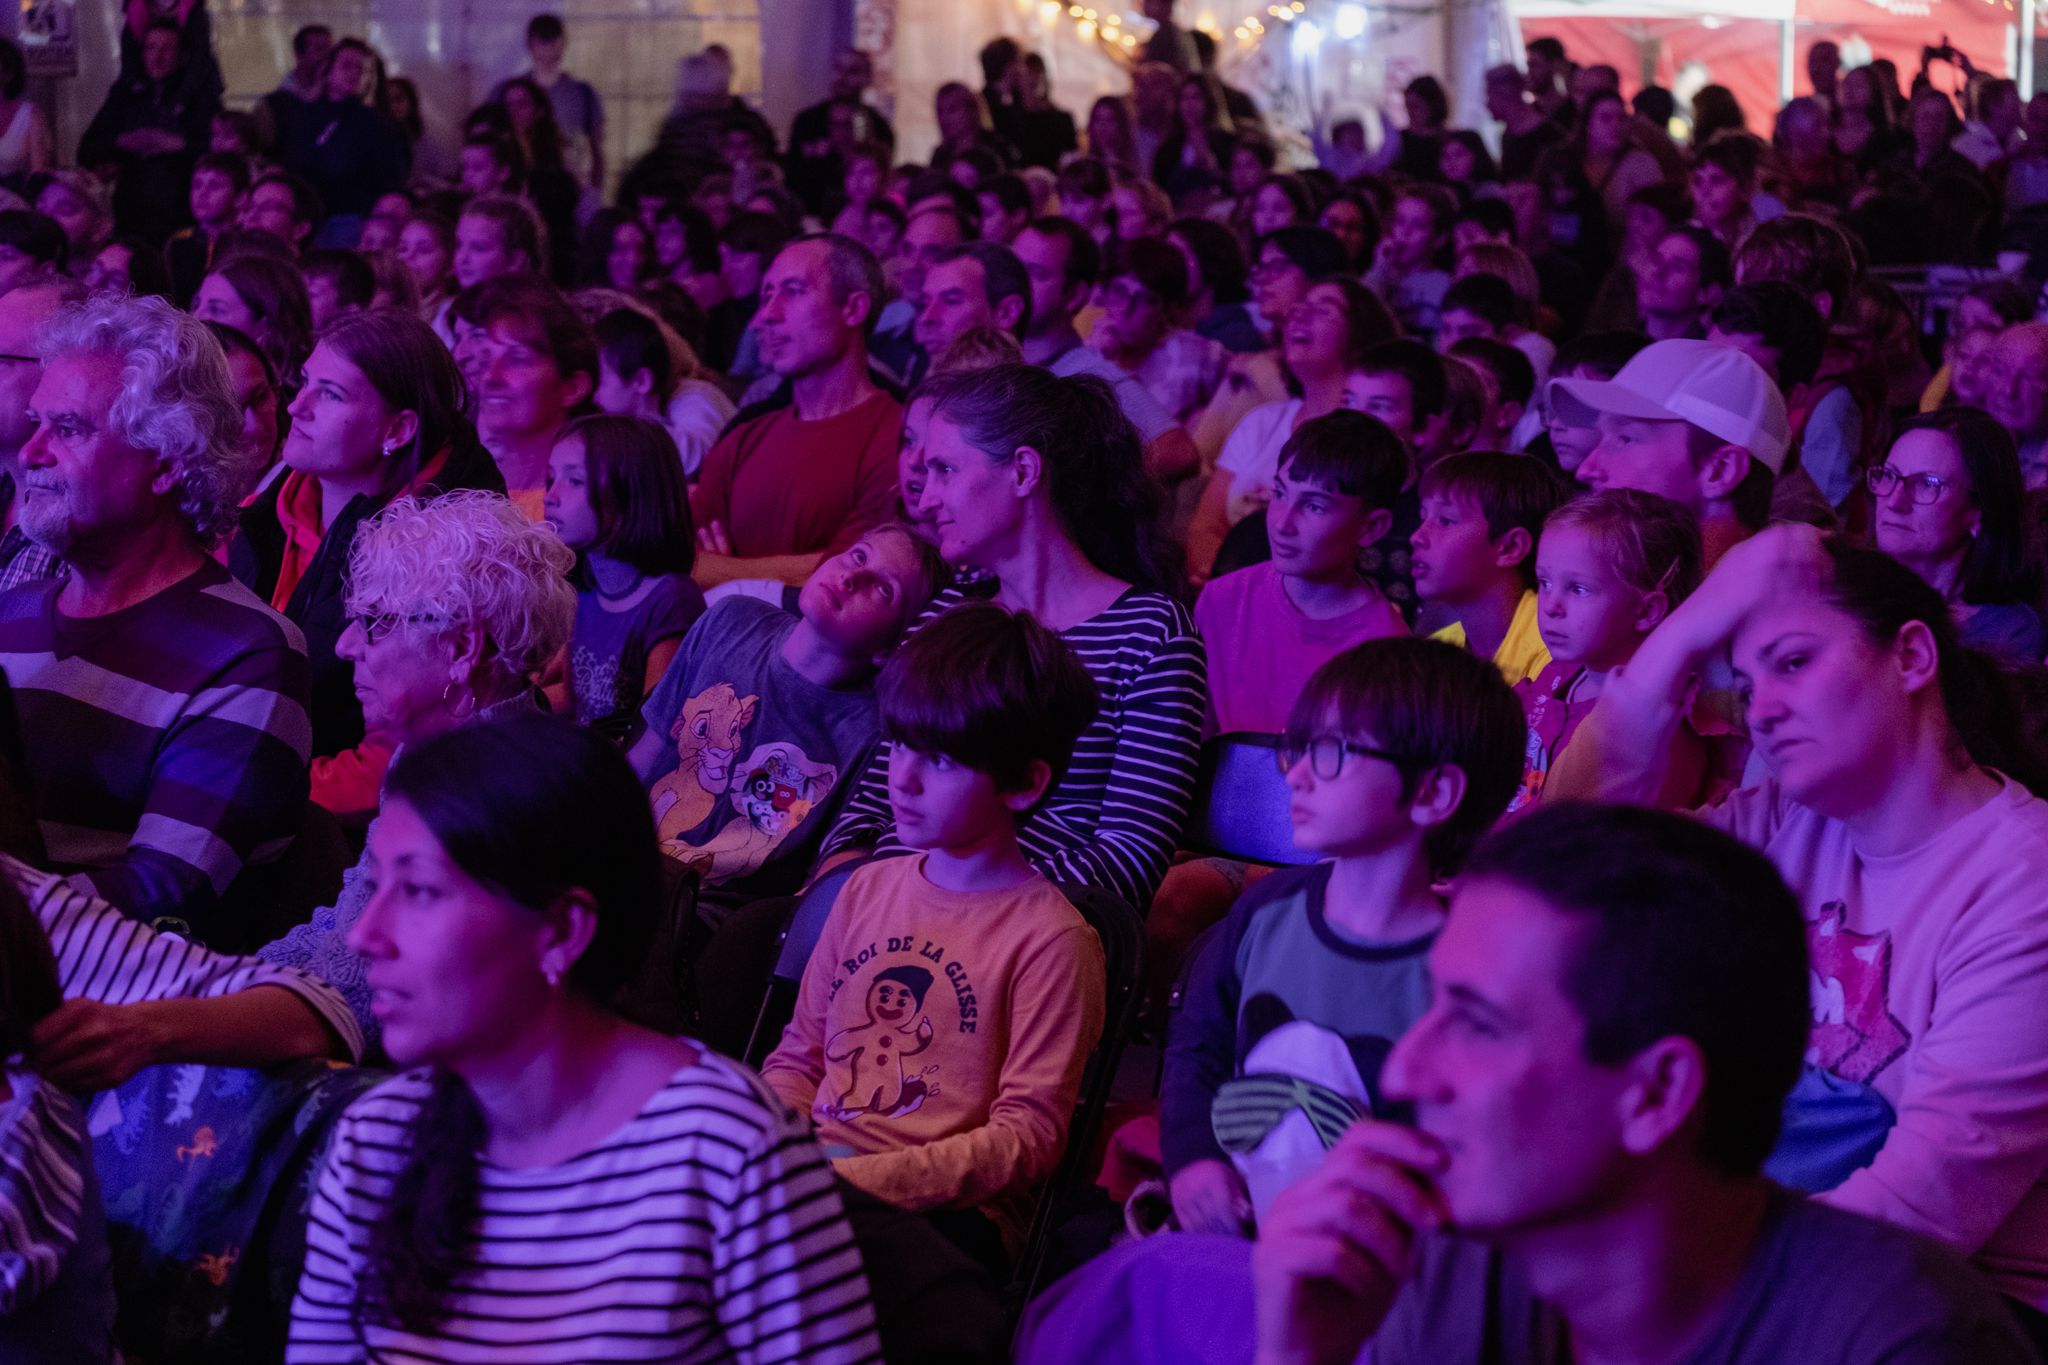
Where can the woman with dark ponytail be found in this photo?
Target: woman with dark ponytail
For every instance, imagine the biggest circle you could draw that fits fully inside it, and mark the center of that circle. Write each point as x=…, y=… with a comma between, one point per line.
x=1039, y=482
x=1901, y=805
x=550, y=1178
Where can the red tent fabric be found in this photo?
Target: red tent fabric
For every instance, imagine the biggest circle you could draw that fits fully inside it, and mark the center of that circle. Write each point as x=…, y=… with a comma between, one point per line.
x=1742, y=54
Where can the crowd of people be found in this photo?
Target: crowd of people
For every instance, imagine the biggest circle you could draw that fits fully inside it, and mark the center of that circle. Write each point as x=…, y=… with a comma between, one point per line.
x=461, y=604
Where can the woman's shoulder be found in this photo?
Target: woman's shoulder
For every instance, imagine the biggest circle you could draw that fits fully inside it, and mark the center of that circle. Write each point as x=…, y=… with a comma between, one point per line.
x=1141, y=614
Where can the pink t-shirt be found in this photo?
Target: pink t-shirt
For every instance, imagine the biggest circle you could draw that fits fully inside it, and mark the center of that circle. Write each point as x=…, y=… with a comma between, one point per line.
x=1930, y=985
x=1262, y=649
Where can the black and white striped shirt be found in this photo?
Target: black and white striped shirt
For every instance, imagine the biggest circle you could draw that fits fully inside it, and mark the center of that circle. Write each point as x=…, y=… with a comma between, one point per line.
x=1116, y=817
x=105, y=956
x=708, y=1228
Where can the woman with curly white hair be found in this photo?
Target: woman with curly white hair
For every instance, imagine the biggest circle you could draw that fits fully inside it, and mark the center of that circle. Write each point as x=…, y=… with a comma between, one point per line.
x=454, y=604
x=163, y=706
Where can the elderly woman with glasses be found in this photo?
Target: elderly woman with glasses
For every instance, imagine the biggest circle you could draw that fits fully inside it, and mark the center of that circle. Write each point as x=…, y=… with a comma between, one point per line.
x=1948, y=503
x=453, y=606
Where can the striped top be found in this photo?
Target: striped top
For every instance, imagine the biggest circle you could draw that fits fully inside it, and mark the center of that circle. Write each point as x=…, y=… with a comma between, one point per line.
x=56, y=1296
x=1116, y=817
x=708, y=1228
x=167, y=742
x=105, y=956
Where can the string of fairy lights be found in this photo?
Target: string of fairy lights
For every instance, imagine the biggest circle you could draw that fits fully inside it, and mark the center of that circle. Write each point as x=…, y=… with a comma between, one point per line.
x=1126, y=31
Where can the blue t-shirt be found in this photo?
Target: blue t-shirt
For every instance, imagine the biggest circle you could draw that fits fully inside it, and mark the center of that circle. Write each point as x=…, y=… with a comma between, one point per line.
x=762, y=756
x=608, y=649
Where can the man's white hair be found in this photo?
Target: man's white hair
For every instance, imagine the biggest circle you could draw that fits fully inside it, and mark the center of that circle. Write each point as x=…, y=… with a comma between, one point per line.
x=177, y=399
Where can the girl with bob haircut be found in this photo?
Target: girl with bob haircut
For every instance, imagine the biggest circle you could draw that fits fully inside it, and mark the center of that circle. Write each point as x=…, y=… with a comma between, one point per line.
x=1949, y=503
x=616, y=496
x=1901, y=804
x=550, y=1178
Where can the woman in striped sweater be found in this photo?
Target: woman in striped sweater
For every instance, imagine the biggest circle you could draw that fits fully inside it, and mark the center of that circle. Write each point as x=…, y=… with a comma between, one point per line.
x=552, y=1183
x=1040, y=481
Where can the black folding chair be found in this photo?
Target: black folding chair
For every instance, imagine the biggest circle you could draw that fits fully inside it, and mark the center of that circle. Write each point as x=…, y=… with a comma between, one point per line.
x=1122, y=932
x=799, y=937
x=1241, y=801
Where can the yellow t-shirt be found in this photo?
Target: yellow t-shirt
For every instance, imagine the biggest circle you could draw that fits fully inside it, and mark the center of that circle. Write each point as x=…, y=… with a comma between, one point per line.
x=1522, y=655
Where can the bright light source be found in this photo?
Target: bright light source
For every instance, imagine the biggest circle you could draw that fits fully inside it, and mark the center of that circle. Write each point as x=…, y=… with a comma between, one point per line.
x=1129, y=40
x=1298, y=7
x=1350, y=21
x=1711, y=21
x=1050, y=10
x=1307, y=38
x=1086, y=30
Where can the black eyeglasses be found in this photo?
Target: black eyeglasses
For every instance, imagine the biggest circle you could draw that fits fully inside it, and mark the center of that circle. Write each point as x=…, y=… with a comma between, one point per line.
x=378, y=627
x=1924, y=489
x=1326, y=754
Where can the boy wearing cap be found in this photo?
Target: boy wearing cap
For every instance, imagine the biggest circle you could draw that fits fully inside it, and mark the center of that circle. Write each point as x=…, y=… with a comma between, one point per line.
x=1698, y=423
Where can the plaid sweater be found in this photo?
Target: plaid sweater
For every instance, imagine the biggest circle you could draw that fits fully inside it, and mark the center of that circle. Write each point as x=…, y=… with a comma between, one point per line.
x=167, y=742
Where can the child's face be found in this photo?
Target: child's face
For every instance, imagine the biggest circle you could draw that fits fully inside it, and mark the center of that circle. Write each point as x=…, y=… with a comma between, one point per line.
x=1573, y=429
x=567, y=502
x=621, y=396
x=1362, y=810
x=943, y=804
x=1586, y=614
x=861, y=599
x=1456, y=324
x=1453, y=559
x=213, y=197
x=1413, y=233
x=1314, y=532
x=1386, y=397
x=910, y=456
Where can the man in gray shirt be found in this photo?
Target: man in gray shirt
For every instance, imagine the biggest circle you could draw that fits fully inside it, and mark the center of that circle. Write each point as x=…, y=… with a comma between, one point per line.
x=1619, y=1006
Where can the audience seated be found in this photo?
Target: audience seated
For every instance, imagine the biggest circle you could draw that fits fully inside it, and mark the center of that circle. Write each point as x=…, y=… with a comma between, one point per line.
x=982, y=709
x=163, y=705
x=1399, y=754
x=1037, y=482
x=543, y=1152
x=782, y=492
x=1580, y=1174
x=380, y=417
x=1211, y=418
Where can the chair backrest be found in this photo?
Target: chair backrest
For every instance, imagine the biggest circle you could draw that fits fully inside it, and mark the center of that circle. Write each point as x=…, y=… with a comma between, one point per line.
x=1122, y=931
x=1241, y=800
x=799, y=939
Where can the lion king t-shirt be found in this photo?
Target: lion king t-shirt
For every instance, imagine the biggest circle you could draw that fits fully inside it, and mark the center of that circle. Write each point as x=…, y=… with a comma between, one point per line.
x=760, y=756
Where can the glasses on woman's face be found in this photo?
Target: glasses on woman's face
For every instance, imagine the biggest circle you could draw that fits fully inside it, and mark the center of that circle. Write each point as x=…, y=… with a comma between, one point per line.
x=1924, y=489
x=377, y=627
x=1326, y=754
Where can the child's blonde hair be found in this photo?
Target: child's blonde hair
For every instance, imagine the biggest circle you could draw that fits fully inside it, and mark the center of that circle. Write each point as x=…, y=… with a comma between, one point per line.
x=1652, y=542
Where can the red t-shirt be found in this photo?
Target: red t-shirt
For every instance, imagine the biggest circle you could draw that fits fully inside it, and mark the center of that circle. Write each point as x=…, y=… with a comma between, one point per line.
x=784, y=486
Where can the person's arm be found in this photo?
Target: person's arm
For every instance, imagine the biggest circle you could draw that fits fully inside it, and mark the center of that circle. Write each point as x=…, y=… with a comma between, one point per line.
x=712, y=569
x=660, y=655
x=85, y=1046
x=1339, y=1244
x=865, y=820
x=1622, y=749
x=1201, y=1054
x=42, y=152
x=1056, y=1011
x=98, y=144
x=786, y=1276
x=1152, y=779
x=1209, y=527
x=596, y=137
x=228, y=781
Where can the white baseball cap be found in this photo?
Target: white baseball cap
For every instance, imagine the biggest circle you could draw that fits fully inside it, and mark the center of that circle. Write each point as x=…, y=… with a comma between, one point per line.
x=1716, y=388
